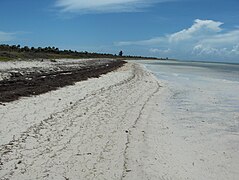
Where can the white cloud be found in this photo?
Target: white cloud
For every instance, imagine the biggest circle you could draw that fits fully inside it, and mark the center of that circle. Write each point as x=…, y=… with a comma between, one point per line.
x=203, y=39
x=235, y=49
x=228, y=38
x=104, y=6
x=152, y=41
x=161, y=51
x=4, y=37
x=199, y=28
x=224, y=44
x=200, y=50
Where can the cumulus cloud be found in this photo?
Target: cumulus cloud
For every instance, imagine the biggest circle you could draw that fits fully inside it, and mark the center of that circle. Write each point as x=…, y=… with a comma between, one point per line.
x=104, y=6
x=203, y=39
x=199, y=28
x=4, y=36
x=227, y=38
x=200, y=50
x=224, y=45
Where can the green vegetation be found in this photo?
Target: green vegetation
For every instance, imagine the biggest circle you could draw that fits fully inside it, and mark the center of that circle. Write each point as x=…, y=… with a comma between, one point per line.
x=14, y=52
x=5, y=59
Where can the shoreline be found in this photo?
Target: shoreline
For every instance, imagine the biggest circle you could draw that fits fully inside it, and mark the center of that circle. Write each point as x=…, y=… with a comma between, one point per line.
x=119, y=126
x=197, y=127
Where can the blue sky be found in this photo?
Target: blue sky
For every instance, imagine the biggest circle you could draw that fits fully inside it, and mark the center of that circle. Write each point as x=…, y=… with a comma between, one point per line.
x=182, y=29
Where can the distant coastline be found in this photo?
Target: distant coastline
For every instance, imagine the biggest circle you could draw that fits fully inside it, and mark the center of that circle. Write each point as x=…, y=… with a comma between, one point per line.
x=203, y=61
x=16, y=52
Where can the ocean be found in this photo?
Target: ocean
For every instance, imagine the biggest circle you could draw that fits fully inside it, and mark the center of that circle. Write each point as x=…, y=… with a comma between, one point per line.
x=199, y=102
x=208, y=88
x=223, y=71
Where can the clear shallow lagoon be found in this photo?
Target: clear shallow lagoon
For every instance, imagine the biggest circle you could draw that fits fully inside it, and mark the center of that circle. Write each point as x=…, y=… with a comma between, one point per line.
x=206, y=87
x=201, y=102
x=223, y=71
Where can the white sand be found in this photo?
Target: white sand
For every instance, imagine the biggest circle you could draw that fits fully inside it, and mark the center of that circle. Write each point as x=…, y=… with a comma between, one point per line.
x=116, y=127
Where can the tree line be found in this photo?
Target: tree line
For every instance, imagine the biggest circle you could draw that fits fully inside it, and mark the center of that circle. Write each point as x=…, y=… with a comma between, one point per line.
x=16, y=51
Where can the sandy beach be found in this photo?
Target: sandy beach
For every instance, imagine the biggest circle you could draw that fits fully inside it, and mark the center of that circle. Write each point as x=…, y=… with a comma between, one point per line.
x=76, y=132
x=117, y=126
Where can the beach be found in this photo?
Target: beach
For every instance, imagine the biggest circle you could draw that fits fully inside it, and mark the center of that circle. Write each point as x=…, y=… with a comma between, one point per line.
x=76, y=132
x=121, y=125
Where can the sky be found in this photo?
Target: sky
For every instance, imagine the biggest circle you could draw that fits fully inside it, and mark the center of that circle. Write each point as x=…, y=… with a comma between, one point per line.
x=205, y=30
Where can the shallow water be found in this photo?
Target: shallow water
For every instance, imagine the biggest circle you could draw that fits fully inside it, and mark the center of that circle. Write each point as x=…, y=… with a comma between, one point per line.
x=210, y=90
x=221, y=71
x=202, y=104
